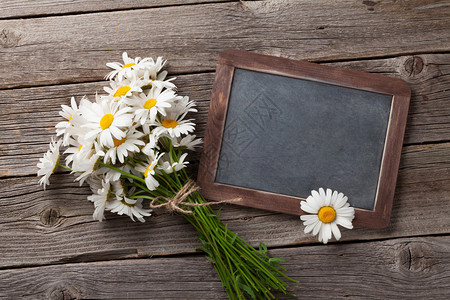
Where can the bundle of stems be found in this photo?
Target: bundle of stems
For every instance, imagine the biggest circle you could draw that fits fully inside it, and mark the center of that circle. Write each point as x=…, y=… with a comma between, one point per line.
x=245, y=272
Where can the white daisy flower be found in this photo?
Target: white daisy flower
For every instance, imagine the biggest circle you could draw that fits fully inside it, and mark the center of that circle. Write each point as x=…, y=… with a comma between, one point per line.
x=100, y=199
x=49, y=163
x=175, y=166
x=173, y=125
x=328, y=209
x=147, y=106
x=85, y=167
x=131, y=207
x=122, y=147
x=189, y=142
x=153, y=67
x=159, y=82
x=122, y=89
x=126, y=69
x=113, y=176
x=78, y=151
x=183, y=106
x=71, y=115
x=106, y=121
x=149, y=170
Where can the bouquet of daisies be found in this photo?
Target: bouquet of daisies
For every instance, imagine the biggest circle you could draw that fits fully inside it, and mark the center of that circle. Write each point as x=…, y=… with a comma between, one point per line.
x=130, y=145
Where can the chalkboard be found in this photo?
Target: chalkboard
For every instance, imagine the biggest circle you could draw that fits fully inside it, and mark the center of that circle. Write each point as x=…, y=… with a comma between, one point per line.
x=290, y=136
x=279, y=128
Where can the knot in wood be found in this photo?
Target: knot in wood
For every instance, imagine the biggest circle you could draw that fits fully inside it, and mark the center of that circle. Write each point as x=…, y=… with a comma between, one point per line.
x=64, y=292
x=416, y=257
x=50, y=216
x=414, y=65
x=9, y=38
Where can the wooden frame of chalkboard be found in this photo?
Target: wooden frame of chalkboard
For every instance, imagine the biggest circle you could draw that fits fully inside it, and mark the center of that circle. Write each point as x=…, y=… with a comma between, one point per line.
x=231, y=61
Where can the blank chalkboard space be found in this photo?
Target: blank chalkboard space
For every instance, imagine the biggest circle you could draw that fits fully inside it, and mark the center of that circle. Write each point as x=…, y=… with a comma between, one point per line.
x=290, y=136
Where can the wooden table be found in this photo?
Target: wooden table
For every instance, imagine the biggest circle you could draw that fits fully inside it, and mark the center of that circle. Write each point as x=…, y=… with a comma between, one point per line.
x=50, y=247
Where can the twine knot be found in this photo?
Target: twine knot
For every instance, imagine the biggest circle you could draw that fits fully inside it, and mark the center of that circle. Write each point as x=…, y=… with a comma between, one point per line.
x=173, y=204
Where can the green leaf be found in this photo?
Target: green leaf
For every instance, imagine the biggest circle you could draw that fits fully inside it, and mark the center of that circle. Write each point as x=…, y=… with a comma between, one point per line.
x=263, y=248
x=233, y=239
x=247, y=289
x=275, y=259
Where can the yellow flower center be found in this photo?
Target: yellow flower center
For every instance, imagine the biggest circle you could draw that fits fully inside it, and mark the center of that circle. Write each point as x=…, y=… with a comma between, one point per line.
x=122, y=91
x=326, y=214
x=106, y=121
x=149, y=103
x=79, y=148
x=70, y=119
x=169, y=123
x=128, y=65
x=149, y=169
x=117, y=143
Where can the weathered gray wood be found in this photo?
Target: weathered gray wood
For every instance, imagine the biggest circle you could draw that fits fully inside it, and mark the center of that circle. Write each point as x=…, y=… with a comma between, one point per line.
x=23, y=8
x=28, y=115
x=53, y=226
x=53, y=50
x=404, y=268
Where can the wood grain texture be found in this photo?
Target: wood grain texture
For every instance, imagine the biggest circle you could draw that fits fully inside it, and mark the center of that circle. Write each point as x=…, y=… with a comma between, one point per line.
x=72, y=48
x=52, y=249
x=27, y=115
x=23, y=8
x=56, y=226
x=404, y=268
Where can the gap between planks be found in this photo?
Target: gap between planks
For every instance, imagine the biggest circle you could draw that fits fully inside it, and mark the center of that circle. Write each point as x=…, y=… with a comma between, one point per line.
x=73, y=47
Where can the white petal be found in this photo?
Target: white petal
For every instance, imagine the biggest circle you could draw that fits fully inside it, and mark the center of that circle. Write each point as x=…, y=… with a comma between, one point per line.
x=307, y=217
x=336, y=231
x=340, y=202
x=334, y=197
x=345, y=210
x=322, y=194
x=314, y=204
x=344, y=222
x=311, y=221
x=317, y=228
x=123, y=121
x=307, y=208
x=328, y=197
x=117, y=133
x=317, y=197
x=309, y=228
x=326, y=233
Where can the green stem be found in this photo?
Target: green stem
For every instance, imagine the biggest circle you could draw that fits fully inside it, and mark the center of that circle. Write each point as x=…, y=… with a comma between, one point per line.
x=64, y=166
x=243, y=270
x=122, y=172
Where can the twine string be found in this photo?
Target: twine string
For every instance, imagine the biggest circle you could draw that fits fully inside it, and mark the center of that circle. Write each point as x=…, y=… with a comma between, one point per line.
x=173, y=204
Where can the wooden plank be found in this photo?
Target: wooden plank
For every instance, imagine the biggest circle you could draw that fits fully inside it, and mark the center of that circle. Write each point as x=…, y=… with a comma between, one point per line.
x=404, y=268
x=22, y=8
x=73, y=48
x=54, y=226
x=27, y=115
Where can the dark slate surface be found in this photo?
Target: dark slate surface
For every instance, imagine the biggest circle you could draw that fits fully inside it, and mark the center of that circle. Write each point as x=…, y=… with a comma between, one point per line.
x=290, y=136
